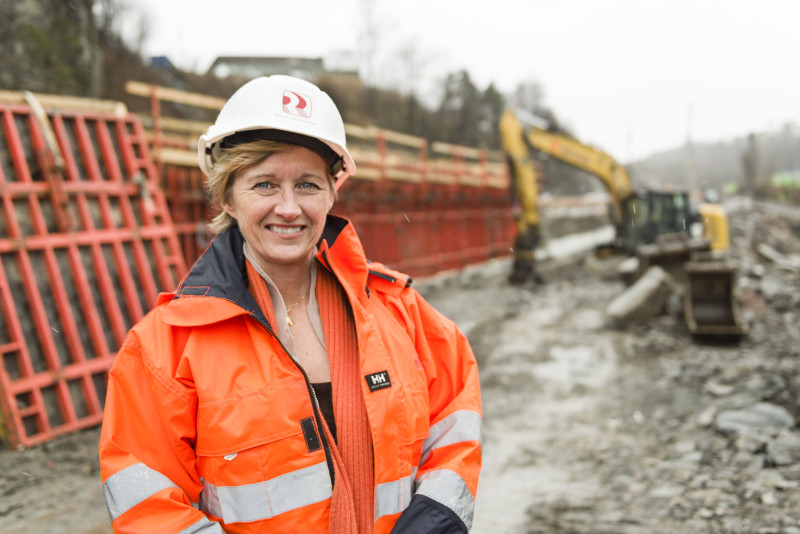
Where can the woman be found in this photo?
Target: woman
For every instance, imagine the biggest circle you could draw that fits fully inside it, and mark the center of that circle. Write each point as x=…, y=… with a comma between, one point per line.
x=288, y=385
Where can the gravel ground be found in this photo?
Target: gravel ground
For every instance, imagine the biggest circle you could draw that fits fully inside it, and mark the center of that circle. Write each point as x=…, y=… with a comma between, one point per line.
x=589, y=428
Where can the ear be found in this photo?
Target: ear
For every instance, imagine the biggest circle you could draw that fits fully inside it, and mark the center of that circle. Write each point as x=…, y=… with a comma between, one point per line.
x=227, y=206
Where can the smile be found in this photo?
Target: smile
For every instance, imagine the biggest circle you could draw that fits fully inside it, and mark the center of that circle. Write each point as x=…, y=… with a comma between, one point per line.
x=286, y=230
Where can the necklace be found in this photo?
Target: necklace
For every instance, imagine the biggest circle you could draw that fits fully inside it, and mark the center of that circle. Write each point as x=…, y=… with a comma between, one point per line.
x=289, y=310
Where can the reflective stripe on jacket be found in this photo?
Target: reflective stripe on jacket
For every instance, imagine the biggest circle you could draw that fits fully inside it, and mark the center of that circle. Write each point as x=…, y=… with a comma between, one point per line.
x=210, y=426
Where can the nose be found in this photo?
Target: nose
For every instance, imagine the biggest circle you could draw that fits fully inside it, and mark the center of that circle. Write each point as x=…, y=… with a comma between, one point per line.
x=288, y=207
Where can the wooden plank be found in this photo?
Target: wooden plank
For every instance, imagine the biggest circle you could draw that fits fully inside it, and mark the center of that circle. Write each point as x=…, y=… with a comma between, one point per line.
x=176, y=156
x=368, y=173
x=172, y=140
x=67, y=103
x=466, y=152
x=371, y=132
x=176, y=125
x=456, y=150
x=175, y=95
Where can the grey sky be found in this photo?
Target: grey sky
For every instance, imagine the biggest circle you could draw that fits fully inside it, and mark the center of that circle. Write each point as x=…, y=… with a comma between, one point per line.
x=631, y=76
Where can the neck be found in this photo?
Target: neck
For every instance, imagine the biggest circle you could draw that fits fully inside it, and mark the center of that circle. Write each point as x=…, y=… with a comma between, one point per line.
x=292, y=281
x=293, y=284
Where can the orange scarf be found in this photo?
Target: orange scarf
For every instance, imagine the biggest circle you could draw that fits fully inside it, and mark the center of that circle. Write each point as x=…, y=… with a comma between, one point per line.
x=352, y=503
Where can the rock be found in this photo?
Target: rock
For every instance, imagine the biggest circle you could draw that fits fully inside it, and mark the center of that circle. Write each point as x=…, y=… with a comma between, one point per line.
x=706, y=417
x=784, y=449
x=759, y=417
x=666, y=491
x=790, y=472
x=717, y=389
x=769, y=478
x=768, y=499
x=750, y=441
x=643, y=300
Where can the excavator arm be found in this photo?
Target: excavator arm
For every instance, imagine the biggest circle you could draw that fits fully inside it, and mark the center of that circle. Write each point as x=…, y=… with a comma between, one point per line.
x=596, y=162
x=522, y=167
x=526, y=190
x=514, y=125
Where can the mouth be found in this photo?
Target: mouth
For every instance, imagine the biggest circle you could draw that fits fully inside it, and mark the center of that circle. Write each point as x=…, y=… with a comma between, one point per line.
x=285, y=230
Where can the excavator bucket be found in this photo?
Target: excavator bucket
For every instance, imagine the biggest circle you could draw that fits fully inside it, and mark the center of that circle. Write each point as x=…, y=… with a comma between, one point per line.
x=709, y=305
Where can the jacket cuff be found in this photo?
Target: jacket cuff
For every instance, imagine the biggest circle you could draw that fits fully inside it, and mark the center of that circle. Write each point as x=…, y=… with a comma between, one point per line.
x=427, y=516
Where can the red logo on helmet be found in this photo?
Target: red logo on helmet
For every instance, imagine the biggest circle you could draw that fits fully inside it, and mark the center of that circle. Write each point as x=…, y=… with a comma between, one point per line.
x=296, y=104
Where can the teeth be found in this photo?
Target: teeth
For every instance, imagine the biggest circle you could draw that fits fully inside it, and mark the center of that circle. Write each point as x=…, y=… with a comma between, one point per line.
x=286, y=230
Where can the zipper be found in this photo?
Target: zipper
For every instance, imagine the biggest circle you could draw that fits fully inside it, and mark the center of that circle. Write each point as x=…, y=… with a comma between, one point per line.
x=312, y=394
x=384, y=276
x=315, y=402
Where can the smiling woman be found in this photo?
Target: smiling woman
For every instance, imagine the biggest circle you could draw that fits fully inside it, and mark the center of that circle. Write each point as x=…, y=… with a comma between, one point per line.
x=289, y=385
x=279, y=204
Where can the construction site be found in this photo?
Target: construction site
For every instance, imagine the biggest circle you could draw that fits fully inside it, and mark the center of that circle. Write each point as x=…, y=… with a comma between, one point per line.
x=604, y=411
x=638, y=348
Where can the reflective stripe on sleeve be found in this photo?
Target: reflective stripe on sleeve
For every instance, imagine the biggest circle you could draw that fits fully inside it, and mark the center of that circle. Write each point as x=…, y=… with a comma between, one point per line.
x=253, y=502
x=204, y=526
x=393, y=497
x=132, y=485
x=448, y=488
x=460, y=426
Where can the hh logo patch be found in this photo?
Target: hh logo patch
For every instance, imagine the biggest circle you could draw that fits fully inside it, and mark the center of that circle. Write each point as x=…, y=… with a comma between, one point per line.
x=377, y=381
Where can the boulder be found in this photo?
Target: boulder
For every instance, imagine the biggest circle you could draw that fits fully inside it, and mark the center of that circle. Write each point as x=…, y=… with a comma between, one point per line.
x=757, y=418
x=645, y=299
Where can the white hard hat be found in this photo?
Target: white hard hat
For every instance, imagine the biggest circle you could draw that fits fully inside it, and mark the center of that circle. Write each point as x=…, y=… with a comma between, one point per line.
x=282, y=108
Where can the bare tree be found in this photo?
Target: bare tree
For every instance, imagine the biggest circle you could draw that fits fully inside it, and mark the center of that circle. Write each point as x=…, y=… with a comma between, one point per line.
x=370, y=32
x=529, y=95
x=412, y=66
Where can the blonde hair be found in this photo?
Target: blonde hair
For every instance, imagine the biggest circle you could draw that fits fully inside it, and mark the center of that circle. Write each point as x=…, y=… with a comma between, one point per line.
x=231, y=163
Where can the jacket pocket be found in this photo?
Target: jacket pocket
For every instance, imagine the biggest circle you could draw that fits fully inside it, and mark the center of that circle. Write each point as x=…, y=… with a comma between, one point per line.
x=254, y=468
x=416, y=411
x=256, y=437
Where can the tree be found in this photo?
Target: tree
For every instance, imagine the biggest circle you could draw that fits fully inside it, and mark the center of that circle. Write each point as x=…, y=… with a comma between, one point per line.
x=493, y=103
x=50, y=46
x=530, y=96
x=459, y=112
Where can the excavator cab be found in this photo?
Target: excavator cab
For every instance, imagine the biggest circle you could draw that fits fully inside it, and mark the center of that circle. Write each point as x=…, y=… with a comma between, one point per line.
x=649, y=215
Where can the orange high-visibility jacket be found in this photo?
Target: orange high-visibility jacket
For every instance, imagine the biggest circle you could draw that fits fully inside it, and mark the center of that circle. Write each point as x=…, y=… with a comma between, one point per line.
x=210, y=425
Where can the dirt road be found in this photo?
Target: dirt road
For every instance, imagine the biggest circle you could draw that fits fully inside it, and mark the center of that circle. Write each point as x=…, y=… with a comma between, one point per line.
x=588, y=429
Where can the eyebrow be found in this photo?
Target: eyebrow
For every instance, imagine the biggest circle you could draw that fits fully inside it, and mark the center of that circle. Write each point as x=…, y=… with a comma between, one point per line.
x=303, y=176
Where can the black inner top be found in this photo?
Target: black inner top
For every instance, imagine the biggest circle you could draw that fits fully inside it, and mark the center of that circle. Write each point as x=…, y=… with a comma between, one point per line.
x=324, y=393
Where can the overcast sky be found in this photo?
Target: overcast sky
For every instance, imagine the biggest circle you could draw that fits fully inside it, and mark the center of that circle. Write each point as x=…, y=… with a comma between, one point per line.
x=630, y=76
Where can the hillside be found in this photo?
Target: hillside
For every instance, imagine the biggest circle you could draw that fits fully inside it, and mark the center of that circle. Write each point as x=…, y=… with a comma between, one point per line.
x=724, y=162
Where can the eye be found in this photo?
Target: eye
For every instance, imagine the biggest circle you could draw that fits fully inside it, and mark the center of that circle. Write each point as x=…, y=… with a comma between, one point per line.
x=308, y=185
x=263, y=186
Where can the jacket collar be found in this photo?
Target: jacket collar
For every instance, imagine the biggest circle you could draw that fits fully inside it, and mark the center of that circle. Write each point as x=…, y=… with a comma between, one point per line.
x=221, y=273
x=340, y=251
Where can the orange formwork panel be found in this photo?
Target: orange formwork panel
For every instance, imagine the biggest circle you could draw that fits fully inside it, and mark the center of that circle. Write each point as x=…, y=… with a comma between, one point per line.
x=437, y=230
x=188, y=207
x=86, y=243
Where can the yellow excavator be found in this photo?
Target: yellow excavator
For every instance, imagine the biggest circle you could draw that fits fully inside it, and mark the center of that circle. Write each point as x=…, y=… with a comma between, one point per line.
x=639, y=217
x=655, y=225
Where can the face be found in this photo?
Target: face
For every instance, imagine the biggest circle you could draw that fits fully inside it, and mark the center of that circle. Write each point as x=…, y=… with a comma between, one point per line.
x=280, y=206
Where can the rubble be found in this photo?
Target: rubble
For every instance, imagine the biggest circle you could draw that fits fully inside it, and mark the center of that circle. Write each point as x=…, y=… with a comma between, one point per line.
x=587, y=429
x=644, y=300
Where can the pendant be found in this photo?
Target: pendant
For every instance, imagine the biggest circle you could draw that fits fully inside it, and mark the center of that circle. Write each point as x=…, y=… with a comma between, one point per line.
x=289, y=320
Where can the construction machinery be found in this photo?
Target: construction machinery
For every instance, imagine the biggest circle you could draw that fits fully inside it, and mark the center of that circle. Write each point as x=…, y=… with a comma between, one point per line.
x=654, y=225
x=639, y=217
